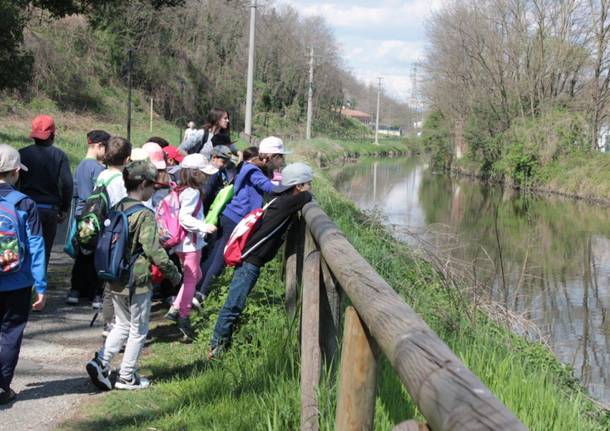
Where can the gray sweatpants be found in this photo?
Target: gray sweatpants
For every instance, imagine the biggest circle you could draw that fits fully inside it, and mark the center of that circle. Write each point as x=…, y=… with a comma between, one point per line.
x=131, y=325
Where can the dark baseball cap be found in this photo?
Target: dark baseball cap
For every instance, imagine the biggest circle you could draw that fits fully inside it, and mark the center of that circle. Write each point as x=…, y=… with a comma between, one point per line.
x=222, y=152
x=97, y=137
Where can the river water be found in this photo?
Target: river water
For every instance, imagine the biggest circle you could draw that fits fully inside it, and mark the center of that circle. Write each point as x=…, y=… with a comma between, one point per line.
x=550, y=256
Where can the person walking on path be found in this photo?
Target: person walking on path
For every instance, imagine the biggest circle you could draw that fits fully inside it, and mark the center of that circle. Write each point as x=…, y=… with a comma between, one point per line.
x=84, y=281
x=48, y=180
x=16, y=287
x=261, y=247
x=133, y=310
x=250, y=185
x=118, y=151
x=193, y=173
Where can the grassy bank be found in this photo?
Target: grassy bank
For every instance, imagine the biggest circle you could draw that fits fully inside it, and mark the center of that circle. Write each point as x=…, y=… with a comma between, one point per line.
x=255, y=385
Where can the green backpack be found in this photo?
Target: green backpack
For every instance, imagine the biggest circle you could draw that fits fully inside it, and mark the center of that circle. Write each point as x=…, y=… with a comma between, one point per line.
x=95, y=210
x=221, y=200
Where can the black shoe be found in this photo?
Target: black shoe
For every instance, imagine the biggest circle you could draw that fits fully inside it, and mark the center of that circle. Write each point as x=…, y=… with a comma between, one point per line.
x=7, y=397
x=184, y=325
x=72, y=298
x=172, y=314
x=100, y=376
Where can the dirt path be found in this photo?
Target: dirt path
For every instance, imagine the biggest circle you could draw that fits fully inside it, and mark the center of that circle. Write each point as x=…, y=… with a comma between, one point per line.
x=50, y=379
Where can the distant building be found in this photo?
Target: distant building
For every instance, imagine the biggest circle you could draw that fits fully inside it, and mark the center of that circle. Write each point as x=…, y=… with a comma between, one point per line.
x=603, y=139
x=389, y=130
x=363, y=117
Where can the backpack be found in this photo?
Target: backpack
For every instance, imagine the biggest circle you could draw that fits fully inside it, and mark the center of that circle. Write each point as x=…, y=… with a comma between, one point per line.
x=199, y=145
x=111, y=260
x=234, y=250
x=171, y=232
x=95, y=211
x=221, y=200
x=12, y=234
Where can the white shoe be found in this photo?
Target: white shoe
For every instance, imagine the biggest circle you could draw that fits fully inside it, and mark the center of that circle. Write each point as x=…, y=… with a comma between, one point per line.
x=136, y=382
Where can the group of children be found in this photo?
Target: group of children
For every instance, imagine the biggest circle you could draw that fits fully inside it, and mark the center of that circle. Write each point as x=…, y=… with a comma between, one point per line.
x=136, y=182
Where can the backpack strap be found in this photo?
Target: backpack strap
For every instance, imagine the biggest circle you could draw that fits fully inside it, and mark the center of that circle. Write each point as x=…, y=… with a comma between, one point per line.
x=199, y=146
x=14, y=197
x=108, y=181
x=134, y=209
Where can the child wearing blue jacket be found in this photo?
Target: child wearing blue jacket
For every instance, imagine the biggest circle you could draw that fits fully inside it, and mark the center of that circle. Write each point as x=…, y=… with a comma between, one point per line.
x=250, y=185
x=16, y=287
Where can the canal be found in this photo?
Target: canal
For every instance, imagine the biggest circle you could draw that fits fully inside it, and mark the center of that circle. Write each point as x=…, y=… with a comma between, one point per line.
x=547, y=259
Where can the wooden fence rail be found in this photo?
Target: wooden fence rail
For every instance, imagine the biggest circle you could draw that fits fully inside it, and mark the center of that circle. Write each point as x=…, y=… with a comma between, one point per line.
x=326, y=266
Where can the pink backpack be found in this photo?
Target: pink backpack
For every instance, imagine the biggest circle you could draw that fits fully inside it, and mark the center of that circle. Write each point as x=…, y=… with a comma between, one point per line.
x=171, y=232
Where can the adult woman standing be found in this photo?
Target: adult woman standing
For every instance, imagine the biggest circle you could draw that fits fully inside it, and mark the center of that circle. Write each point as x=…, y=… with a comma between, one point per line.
x=200, y=141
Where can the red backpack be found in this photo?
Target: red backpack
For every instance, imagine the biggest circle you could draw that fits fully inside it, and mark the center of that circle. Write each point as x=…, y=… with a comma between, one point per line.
x=234, y=250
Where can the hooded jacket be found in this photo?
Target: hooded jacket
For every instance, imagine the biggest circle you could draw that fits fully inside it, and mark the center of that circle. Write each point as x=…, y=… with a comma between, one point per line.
x=33, y=270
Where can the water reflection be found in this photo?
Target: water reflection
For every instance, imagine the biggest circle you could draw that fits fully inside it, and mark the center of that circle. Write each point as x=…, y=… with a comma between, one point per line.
x=552, y=256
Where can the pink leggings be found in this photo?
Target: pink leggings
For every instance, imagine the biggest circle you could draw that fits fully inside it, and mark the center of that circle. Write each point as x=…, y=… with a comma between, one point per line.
x=191, y=275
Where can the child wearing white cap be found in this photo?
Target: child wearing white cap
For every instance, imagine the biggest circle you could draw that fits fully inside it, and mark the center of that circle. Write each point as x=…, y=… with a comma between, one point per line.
x=261, y=247
x=194, y=170
x=250, y=185
x=20, y=215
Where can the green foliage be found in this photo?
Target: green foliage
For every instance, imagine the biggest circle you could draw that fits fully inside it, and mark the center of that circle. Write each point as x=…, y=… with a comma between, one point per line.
x=436, y=139
x=15, y=62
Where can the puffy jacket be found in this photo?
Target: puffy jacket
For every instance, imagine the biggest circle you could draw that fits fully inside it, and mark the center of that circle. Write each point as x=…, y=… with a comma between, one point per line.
x=33, y=270
x=250, y=185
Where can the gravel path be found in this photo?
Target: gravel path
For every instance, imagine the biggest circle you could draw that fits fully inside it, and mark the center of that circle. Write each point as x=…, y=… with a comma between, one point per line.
x=50, y=379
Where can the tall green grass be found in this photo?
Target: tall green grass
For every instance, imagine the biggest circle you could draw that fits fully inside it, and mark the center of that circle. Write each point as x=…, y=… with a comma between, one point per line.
x=255, y=386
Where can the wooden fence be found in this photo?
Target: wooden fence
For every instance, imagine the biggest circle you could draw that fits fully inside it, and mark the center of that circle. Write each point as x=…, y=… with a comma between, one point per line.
x=327, y=268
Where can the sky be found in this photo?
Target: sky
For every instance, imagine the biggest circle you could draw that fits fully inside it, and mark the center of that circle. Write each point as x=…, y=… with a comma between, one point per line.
x=377, y=38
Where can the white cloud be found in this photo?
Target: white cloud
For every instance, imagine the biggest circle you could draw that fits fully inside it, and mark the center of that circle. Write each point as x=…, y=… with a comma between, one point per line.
x=384, y=13
x=381, y=38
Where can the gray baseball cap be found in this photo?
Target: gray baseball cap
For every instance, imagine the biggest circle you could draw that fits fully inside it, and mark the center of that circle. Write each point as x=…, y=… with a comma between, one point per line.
x=294, y=174
x=10, y=159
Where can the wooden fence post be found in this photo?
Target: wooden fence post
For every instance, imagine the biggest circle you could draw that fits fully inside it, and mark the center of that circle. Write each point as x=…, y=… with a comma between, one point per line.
x=411, y=426
x=358, y=377
x=330, y=314
x=310, y=342
x=293, y=264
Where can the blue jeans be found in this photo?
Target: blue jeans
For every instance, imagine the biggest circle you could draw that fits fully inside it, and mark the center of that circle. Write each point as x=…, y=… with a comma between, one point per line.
x=14, y=310
x=244, y=279
x=215, y=262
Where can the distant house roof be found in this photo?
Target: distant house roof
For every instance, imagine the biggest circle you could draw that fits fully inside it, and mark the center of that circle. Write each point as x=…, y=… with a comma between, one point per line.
x=355, y=114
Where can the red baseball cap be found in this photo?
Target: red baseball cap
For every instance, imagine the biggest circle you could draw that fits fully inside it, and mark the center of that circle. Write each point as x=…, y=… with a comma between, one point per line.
x=42, y=127
x=174, y=153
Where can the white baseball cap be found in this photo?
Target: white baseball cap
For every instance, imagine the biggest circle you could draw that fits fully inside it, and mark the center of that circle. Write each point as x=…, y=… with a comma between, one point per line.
x=10, y=159
x=198, y=161
x=272, y=145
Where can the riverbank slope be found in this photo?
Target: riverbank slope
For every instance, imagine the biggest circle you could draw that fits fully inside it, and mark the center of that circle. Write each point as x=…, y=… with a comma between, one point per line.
x=255, y=385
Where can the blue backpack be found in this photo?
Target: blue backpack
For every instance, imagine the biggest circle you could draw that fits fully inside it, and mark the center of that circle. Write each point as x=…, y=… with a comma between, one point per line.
x=13, y=247
x=112, y=261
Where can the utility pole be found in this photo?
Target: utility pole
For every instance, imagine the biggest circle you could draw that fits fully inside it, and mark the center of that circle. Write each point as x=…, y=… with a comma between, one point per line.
x=310, y=97
x=377, y=118
x=250, y=84
x=129, y=70
x=151, y=115
x=180, y=126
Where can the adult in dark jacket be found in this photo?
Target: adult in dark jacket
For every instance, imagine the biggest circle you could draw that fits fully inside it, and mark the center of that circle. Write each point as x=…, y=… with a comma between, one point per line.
x=49, y=180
